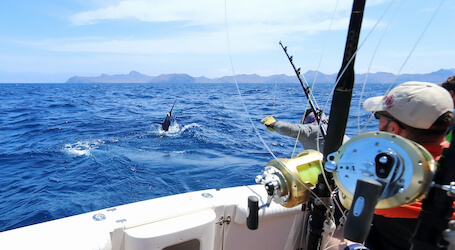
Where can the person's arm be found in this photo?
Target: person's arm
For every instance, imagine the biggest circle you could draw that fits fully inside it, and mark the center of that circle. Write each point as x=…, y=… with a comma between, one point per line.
x=290, y=129
x=294, y=130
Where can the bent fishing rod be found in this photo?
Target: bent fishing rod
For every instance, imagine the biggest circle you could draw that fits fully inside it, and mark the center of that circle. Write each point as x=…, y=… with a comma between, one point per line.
x=339, y=113
x=316, y=111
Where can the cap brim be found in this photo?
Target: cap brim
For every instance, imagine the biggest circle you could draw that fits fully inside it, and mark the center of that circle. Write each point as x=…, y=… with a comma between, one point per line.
x=373, y=104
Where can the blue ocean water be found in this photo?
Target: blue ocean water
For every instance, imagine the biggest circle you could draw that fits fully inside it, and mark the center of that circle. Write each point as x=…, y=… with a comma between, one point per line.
x=67, y=149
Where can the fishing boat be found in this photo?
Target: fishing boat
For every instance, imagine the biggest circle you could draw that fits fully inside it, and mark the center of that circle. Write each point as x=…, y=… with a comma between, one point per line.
x=209, y=219
x=272, y=214
x=245, y=217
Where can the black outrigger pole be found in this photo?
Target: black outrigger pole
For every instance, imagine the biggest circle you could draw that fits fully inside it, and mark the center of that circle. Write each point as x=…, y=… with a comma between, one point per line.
x=307, y=90
x=339, y=113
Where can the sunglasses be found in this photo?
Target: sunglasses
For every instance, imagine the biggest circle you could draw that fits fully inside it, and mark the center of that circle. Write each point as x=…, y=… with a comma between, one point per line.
x=378, y=116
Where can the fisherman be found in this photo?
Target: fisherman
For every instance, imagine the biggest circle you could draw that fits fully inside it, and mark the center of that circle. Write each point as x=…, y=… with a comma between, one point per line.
x=421, y=112
x=449, y=84
x=308, y=131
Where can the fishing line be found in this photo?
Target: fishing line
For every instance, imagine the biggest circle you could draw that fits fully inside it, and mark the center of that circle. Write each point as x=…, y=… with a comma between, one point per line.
x=276, y=80
x=407, y=58
x=236, y=83
x=326, y=104
x=352, y=58
x=244, y=106
x=411, y=52
x=371, y=62
x=325, y=43
x=314, y=81
x=418, y=40
x=333, y=90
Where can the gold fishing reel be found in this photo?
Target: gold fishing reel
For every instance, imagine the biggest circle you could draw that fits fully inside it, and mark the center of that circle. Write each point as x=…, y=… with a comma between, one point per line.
x=287, y=181
x=403, y=167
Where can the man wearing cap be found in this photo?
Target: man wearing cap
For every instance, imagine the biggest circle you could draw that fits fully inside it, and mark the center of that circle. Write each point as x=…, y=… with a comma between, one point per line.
x=449, y=84
x=418, y=111
x=421, y=112
x=308, y=132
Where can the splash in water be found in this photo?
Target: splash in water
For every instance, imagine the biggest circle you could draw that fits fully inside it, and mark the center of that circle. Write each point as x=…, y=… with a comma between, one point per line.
x=82, y=147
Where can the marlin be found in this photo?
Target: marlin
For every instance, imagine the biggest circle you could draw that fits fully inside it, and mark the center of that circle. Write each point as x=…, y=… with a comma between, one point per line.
x=167, y=120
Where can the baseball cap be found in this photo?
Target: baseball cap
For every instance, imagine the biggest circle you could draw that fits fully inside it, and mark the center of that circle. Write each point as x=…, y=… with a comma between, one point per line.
x=416, y=104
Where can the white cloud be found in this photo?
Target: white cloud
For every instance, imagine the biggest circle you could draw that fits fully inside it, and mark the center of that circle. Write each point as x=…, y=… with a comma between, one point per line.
x=198, y=12
x=157, y=11
x=254, y=24
x=188, y=45
x=194, y=32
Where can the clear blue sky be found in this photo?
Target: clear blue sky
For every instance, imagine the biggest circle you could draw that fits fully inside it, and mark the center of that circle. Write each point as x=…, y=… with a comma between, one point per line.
x=50, y=40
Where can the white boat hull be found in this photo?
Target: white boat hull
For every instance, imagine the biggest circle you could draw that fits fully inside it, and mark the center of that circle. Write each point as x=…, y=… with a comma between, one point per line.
x=209, y=219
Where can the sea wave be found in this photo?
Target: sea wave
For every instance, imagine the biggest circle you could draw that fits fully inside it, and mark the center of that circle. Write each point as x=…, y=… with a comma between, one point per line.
x=82, y=147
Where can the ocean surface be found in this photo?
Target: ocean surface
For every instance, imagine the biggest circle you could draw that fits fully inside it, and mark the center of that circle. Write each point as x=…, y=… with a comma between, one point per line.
x=66, y=149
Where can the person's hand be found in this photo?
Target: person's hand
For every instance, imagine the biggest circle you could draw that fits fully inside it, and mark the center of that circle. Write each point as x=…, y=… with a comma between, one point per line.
x=269, y=121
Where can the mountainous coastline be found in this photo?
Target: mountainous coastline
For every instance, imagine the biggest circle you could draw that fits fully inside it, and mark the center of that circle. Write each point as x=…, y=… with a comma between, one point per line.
x=380, y=77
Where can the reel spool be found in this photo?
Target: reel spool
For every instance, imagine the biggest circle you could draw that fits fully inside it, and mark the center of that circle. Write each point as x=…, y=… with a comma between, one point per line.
x=404, y=168
x=288, y=181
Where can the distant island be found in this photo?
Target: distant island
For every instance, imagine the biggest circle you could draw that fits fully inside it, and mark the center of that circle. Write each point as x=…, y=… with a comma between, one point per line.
x=380, y=77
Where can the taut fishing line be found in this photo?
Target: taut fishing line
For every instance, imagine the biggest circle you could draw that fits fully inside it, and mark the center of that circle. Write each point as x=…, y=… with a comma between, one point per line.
x=236, y=83
x=276, y=81
x=243, y=103
x=338, y=79
x=314, y=81
x=418, y=40
x=369, y=67
x=407, y=58
x=346, y=67
x=409, y=54
x=325, y=44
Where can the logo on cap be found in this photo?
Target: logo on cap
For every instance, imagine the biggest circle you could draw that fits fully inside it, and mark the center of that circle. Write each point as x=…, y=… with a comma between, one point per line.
x=388, y=101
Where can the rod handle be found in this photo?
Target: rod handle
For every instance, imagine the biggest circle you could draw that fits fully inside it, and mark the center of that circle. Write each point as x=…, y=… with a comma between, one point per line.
x=252, y=219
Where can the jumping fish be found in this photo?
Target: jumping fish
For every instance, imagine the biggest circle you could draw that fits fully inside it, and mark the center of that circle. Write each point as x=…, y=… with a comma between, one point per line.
x=167, y=120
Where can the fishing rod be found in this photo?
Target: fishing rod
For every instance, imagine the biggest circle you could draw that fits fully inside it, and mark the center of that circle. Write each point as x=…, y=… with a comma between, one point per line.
x=316, y=111
x=338, y=117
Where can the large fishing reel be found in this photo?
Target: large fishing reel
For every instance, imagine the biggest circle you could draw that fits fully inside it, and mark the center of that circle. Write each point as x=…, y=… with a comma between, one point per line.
x=378, y=170
x=375, y=170
x=403, y=168
x=288, y=181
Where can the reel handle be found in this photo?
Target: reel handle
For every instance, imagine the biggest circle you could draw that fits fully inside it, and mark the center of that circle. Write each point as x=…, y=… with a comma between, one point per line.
x=360, y=216
x=252, y=219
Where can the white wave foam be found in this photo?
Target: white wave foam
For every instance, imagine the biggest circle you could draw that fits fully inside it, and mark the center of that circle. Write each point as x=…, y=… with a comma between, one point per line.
x=175, y=129
x=82, y=147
